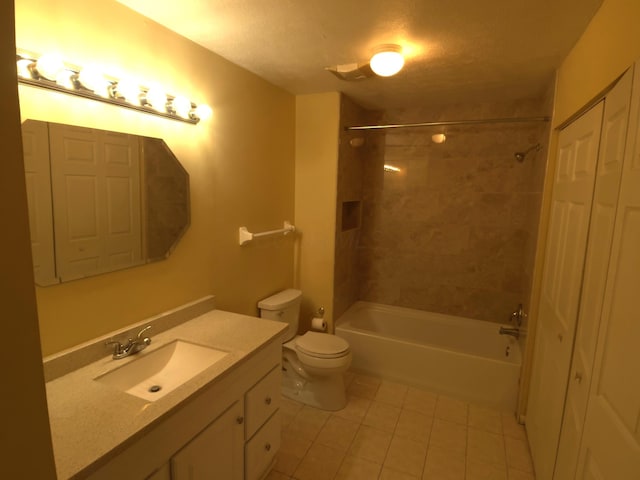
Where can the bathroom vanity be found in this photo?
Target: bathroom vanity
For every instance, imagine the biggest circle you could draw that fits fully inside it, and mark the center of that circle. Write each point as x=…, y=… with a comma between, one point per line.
x=223, y=422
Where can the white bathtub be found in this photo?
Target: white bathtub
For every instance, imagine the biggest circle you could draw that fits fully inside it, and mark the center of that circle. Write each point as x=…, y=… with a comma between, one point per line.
x=455, y=356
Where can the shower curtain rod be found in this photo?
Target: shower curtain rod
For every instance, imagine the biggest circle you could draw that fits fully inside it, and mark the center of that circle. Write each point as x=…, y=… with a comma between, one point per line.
x=455, y=122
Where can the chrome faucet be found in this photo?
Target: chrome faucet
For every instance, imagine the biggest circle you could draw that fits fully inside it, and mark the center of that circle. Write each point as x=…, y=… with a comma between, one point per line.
x=513, y=331
x=134, y=345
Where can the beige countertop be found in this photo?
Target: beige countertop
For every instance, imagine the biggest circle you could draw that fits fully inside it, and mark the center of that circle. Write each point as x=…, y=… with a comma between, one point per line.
x=90, y=420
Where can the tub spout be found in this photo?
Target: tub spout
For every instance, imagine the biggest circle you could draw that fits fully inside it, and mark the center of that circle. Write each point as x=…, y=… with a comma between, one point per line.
x=513, y=331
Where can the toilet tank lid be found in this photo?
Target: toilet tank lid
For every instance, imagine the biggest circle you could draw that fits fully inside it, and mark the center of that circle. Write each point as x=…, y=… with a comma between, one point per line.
x=280, y=300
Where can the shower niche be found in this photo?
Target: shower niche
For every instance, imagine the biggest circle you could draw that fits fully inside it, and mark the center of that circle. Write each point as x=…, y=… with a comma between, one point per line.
x=350, y=215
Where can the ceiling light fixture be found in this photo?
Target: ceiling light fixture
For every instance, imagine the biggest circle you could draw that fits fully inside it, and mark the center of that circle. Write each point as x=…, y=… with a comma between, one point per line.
x=387, y=60
x=51, y=72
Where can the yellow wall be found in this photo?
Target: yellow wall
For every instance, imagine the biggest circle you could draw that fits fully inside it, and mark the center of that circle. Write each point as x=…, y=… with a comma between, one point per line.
x=241, y=167
x=609, y=45
x=26, y=442
x=317, y=135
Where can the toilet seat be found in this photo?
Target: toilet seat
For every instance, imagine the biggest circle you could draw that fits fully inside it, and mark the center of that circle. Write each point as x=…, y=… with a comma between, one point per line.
x=322, y=345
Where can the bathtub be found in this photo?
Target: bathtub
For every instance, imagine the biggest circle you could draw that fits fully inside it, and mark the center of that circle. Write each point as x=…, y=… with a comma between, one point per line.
x=455, y=356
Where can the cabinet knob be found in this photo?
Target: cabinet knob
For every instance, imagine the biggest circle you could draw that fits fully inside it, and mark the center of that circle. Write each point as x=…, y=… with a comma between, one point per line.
x=267, y=446
x=578, y=377
x=240, y=420
x=267, y=400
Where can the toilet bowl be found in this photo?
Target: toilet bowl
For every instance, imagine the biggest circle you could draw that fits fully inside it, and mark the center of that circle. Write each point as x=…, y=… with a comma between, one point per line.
x=313, y=364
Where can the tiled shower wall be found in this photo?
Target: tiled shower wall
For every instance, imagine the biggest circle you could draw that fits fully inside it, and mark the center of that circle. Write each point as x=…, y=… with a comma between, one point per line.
x=455, y=230
x=352, y=164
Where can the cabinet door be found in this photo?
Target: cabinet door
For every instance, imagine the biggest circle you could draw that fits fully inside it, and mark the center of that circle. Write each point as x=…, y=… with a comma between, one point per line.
x=262, y=400
x=216, y=453
x=261, y=450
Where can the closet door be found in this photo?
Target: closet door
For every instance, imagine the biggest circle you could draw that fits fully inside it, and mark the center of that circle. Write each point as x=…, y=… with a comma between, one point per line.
x=603, y=212
x=562, y=278
x=610, y=446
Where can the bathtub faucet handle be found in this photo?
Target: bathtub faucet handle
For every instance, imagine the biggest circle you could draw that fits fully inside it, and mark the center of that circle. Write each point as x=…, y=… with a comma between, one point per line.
x=517, y=316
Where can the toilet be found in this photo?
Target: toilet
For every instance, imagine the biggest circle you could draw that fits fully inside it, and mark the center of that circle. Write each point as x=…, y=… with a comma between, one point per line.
x=313, y=364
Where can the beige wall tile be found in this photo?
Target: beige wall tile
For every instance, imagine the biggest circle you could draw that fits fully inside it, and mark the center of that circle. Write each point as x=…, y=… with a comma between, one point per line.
x=467, y=211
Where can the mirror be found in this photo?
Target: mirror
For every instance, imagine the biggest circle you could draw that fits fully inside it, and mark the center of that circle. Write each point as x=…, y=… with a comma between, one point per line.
x=100, y=201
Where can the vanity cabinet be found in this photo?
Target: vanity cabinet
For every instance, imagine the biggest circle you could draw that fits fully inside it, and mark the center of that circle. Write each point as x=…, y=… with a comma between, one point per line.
x=263, y=426
x=230, y=431
x=217, y=452
x=220, y=451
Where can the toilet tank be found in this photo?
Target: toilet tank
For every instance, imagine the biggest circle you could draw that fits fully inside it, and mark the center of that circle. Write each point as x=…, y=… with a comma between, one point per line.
x=283, y=307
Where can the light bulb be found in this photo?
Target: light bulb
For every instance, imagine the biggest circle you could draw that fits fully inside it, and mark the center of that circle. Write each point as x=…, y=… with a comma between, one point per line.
x=182, y=106
x=157, y=99
x=24, y=68
x=203, y=112
x=49, y=66
x=438, y=138
x=387, y=61
x=65, y=79
x=129, y=90
x=92, y=78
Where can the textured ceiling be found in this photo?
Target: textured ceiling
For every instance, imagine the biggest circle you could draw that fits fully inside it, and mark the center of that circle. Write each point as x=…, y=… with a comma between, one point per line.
x=456, y=50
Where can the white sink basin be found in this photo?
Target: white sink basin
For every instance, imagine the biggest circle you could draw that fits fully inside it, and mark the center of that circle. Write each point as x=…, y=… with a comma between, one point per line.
x=154, y=374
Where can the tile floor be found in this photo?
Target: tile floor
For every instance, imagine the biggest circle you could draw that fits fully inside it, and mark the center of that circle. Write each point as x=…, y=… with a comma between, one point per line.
x=389, y=431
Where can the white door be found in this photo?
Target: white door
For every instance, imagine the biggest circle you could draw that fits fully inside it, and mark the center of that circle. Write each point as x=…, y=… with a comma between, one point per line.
x=603, y=212
x=610, y=446
x=96, y=200
x=562, y=278
x=35, y=140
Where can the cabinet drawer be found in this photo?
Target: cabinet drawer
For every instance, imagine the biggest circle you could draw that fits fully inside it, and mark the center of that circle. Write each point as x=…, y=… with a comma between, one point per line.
x=261, y=450
x=262, y=400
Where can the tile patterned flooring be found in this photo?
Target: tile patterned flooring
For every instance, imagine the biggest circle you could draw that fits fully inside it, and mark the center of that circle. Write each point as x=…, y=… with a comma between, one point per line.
x=390, y=431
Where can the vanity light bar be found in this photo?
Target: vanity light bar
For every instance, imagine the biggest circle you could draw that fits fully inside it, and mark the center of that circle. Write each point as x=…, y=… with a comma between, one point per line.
x=50, y=72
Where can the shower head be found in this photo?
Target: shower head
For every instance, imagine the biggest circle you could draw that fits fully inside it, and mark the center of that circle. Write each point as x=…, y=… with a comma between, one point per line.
x=520, y=155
